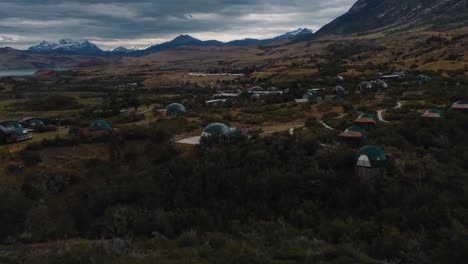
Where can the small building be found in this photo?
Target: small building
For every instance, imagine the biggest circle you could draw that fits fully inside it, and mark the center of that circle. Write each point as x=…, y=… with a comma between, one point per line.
x=370, y=161
x=460, y=105
x=175, y=109
x=353, y=136
x=216, y=102
x=433, y=113
x=395, y=75
x=365, y=120
x=226, y=95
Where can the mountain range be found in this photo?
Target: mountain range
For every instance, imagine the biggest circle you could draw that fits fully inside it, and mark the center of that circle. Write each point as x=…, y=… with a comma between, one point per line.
x=85, y=47
x=394, y=20
x=67, y=46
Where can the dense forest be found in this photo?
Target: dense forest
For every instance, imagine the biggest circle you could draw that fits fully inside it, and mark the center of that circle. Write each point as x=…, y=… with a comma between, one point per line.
x=275, y=199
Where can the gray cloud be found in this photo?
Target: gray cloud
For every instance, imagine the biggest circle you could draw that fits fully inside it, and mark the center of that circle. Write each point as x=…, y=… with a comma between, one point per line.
x=110, y=23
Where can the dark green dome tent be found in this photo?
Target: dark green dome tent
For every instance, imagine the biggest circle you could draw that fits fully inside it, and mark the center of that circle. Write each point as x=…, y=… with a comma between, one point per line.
x=175, y=109
x=366, y=118
x=463, y=105
x=423, y=79
x=216, y=129
x=311, y=96
x=354, y=132
x=434, y=113
x=100, y=125
x=32, y=122
x=371, y=156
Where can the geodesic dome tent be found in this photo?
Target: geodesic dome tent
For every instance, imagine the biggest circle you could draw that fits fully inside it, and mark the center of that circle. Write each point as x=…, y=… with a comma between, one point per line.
x=423, y=79
x=339, y=90
x=339, y=79
x=371, y=156
x=460, y=105
x=32, y=122
x=100, y=125
x=216, y=130
x=311, y=96
x=256, y=89
x=434, y=113
x=380, y=85
x=364, y=86
x=354, y=132
x=366, y=118
x=175, y=109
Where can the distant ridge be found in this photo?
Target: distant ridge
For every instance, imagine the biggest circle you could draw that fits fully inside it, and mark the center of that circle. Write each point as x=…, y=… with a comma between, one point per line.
x=85, y=47
x=186, y=40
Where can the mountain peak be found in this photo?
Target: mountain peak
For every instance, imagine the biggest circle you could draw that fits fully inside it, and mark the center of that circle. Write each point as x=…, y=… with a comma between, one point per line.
x=185, y=37
x=294, y=34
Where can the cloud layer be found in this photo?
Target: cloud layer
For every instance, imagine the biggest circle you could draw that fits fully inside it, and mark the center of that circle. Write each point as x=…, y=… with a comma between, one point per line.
x=111, y=23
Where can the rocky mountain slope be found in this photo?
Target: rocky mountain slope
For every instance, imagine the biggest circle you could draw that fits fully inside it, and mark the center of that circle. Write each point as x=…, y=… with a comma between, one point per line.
x=368, y=16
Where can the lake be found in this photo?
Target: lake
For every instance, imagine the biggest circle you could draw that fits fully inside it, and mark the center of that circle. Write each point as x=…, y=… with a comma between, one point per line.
x=23, y=72
x=17, y=73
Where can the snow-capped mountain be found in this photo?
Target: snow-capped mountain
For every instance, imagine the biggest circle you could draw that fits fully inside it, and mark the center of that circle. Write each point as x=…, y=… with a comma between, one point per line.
x=290, y=35
x=295, y=33
x=67, y=46
x=123, y=50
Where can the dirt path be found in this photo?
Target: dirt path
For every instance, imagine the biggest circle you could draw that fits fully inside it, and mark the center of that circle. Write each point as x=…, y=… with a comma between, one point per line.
x=380, y=112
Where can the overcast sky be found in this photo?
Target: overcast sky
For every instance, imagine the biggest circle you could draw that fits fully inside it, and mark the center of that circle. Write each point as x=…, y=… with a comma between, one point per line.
x=142, y=23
